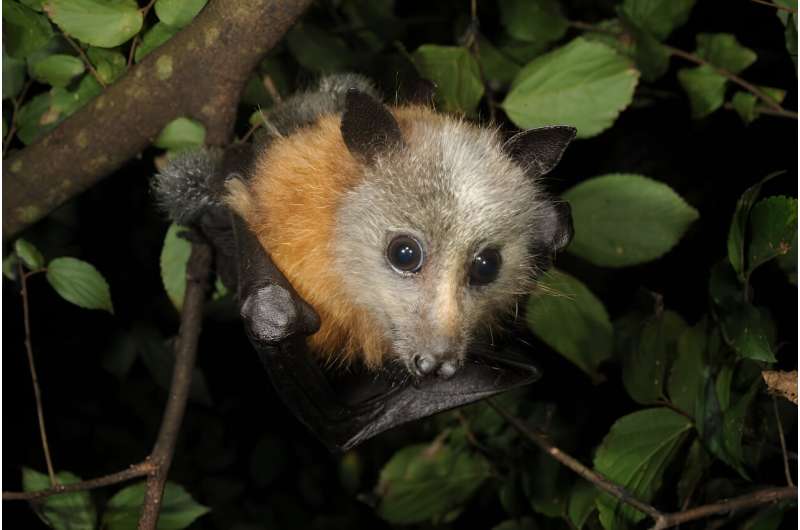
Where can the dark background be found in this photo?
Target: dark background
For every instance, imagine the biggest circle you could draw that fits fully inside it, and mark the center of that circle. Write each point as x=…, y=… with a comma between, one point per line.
x=99, y=423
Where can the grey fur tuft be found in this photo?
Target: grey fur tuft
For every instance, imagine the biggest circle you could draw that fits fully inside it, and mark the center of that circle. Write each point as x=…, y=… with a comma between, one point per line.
x=305, y=108
x=184, y=189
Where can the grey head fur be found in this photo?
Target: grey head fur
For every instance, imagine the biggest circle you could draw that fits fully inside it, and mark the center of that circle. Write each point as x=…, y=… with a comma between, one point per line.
x=455, y=189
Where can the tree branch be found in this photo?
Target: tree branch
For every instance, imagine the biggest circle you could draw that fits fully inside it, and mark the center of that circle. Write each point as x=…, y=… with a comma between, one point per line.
x=137, y=470
x=199, y=73
x=661, y=520
x=197, y=271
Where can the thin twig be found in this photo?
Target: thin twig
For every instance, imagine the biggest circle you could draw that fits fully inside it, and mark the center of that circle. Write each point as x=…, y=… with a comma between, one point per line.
x=197, y=271
x=776, y=6
x=761, y=109
x=17, y=103
x=760, y=94
x=773, y=105
x=786, y=468
x=85, y=59
x=595, y=478
x=662, y=520
x=137, y=470
x=743, y=502
x=471, y=43
x=132, y=51
x=34, y=378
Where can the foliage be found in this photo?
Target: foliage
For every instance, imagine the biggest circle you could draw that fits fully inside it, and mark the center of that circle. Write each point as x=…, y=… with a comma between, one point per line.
x=677, y=290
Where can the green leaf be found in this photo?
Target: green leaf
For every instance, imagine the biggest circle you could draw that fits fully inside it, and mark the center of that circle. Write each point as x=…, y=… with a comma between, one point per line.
x=456, y=74
x=57, y=69
x=724, y=51
x=744, y=103
x=634, y=454
x=538, y=21
x=499, y=68
x=705, y=87
x=24, y=30
x=318, y=50
x=738, y=229
x=178, y=508
x=694, y=468
x=789, y=20
x=181, y=133
x=548, y=486
x=178, y=13
x=769, y=518
x=581, y=502
x=625, y=219
x=572, y=321
x=29, y=254
x=103, y=23
x=45, y=111
x=773, y=223
x=650, y=55
x=152, y=39
x=10, y=263
x=687, y=374
x=727, y=445
x=80, y=283
x=585, y=84
x=68, y=511
x=426, y=481
x=658, y=17
x=174, y=257
x=36, y=5
x=13, y=76
x=644, y=366
x=110, y=64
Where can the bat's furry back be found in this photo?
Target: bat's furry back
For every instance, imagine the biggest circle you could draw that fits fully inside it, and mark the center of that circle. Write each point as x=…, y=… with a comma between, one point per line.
x=407, y=230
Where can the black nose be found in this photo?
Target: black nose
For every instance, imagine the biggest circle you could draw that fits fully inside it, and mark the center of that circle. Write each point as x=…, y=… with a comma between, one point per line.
x=424, y=364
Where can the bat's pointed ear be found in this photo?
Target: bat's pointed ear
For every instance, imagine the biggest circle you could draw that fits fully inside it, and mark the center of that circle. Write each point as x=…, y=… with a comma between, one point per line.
x=368, y=128
x=554, y=232
x=539, y=150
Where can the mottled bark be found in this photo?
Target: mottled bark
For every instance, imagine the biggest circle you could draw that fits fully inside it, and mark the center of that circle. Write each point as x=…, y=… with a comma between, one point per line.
x=200, y=74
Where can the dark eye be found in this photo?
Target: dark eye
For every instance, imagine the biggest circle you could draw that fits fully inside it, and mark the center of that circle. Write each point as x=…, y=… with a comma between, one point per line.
x=485, y=267
x=405, y=254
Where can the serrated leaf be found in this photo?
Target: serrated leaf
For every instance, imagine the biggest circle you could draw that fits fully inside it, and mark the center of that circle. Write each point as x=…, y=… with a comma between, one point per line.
x=581, y=502
x=425, y=481
x=724, y=51
x=773, y=224
x=687, y=374
x=584, y=84
x=658, y=17
x=13, y=76
x=705, y=88
x=644, y=365
x=181, y=133
x=178, y=13
x=152, y=39
x=174, y=256
x=539, y=21
x=650, y=55
x=68, y=511
x=57, y=69
x=29, y=254
x=45, y=111
x=456, y=74
x=572, y=321
x=177, y=510
x=319, y=50
x=80, y=283
x=626, y=219
x=634, y=454
x=24, y=30
x=105, y=23
x=738, y=229
x=110, y=64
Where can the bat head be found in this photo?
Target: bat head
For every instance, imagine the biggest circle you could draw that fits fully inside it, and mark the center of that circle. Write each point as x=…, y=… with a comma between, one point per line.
x=447, y=228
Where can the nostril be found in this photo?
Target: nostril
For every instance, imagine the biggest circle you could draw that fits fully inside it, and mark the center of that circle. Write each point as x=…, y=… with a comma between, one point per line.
x=447, y=369
x=424, y=363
